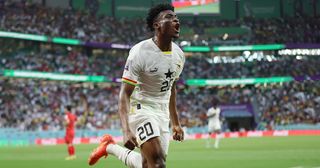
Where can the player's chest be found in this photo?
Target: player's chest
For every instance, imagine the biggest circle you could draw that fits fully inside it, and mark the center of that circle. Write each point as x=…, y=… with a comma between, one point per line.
x=162, y=67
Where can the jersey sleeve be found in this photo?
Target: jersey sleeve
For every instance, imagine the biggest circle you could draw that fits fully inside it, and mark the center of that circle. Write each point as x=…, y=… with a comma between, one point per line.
x=132, y=69
x=180, y=65
x=209, y=112
x=219, y=112
x=66, y=118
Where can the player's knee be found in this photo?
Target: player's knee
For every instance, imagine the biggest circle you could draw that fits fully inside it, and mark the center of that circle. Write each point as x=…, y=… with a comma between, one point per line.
x=144, y=163
x=160, y=163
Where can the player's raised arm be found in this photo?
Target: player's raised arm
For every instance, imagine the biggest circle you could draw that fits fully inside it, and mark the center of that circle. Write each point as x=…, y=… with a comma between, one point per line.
x=210, y=114
x=85, y=104
x=178, y=133
x=66, y=120
x=129, y=139
x=81, y=121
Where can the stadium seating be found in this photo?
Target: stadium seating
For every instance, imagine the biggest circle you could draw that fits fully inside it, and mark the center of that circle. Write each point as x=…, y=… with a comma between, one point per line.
x=24, y=102
x=29, y=111
x=110, y=64
x=84, y=26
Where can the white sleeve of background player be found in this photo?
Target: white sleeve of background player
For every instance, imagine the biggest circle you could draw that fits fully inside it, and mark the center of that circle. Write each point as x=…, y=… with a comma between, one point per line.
x=66, y=118
x=132, y=68
x=180, y=63
x=209, y=112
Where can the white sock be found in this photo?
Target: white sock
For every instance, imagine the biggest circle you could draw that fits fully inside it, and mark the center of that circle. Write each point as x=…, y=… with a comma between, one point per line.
x=209, y=141
x=216, y=143
x=130, y=158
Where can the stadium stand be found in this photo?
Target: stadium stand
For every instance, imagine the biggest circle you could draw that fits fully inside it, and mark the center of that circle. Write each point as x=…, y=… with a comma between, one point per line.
x=110, y=63
x=33, y=19
x=24, y=102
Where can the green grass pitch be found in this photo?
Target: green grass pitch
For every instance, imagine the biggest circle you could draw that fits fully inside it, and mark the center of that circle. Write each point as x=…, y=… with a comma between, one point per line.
x=268, y=152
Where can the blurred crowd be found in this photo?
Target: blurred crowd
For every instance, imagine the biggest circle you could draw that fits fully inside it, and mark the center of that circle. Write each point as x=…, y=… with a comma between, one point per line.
x=276, y=104
x=30, y=104
x=292, y=103
x=38, y=105
x=69, y=23
x=204, y=67
x=300, y=29
x=55, y=22
x=110, y=64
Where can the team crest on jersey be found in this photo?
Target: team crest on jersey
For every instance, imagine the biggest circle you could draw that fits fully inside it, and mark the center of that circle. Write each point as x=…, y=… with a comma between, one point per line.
x=152, y=70
x=179, y=65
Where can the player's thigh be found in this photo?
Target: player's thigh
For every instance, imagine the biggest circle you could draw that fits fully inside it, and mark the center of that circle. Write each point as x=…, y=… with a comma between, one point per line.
x=158, y=153
x=217, y=130
x=217, y=127
x=148, y=132
x=144, y=161
x=212, y=127
x=152, y=151
x=69, y=138
x=144, y=128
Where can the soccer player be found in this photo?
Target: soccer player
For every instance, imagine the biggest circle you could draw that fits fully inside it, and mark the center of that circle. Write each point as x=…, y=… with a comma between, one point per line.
x=214, y=125
x=70, y=120
x=147, y=100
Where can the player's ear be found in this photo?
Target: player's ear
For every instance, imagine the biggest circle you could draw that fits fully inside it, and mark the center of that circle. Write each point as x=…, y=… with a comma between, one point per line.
x=156, y=25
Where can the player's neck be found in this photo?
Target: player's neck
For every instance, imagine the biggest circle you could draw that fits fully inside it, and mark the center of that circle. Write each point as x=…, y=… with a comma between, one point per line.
x=163, y=43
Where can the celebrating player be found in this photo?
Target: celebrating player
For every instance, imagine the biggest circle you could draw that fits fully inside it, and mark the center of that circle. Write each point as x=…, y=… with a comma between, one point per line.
x=214, y=125
x=70, y=120
x=147, y=100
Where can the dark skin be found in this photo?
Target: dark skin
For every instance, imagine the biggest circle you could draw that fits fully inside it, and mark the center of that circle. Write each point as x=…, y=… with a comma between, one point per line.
x=167, y=28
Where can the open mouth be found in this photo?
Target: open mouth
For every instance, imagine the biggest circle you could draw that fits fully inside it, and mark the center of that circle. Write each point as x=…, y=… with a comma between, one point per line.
x=177, y=28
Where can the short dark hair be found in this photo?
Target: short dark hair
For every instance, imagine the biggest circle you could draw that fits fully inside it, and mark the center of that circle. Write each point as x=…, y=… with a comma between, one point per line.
x=215, y=100
x=68, y=107
x=154, y=12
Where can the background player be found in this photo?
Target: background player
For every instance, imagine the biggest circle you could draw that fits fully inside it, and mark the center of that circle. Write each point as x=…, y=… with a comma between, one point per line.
x=147, y=100
x=70, y=120
x=214, y=124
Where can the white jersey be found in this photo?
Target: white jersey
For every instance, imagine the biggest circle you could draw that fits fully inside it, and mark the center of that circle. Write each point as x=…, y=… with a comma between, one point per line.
x=214, y=119
x=153, y=73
